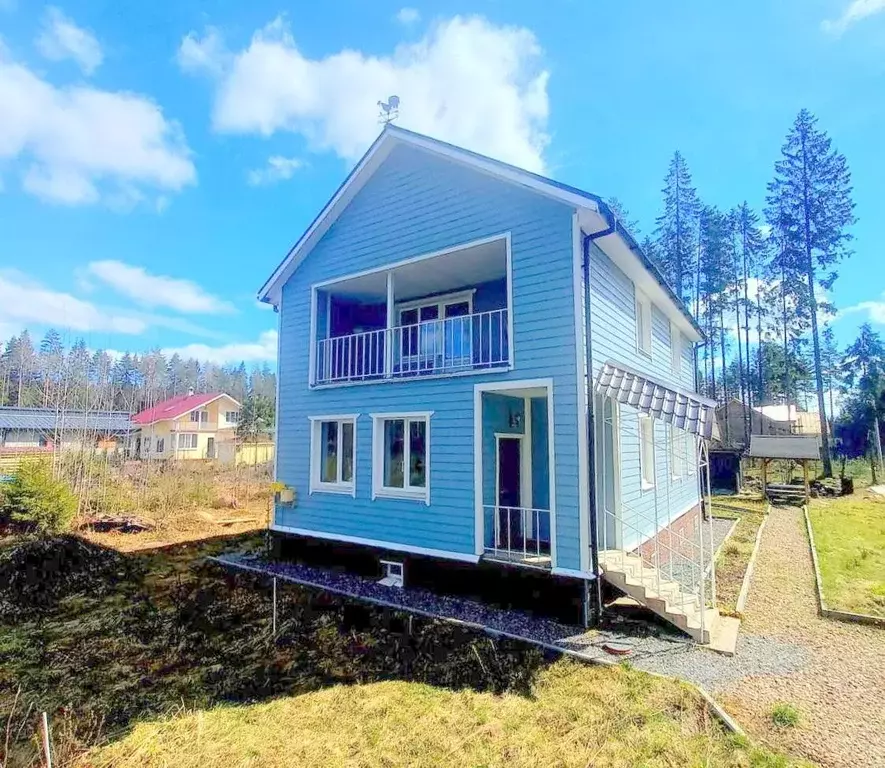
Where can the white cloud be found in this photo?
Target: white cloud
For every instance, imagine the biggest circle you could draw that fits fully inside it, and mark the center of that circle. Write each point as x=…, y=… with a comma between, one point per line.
x=207, y=53
x=157, y=290
x=278, y=168
x=265, y=348
x=62, y=39
x=408, y=16
x=875, y=311
x=468, y=81
x=80, y=144
x=856, y=11
x=263, y=306
x=24, y=302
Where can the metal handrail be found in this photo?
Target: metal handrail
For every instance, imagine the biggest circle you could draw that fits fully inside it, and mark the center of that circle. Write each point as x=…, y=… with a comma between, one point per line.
x=476, y=341
x=508, y=542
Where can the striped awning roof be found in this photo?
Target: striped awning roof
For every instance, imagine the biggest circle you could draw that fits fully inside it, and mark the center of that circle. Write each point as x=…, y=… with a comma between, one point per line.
x=672, y=405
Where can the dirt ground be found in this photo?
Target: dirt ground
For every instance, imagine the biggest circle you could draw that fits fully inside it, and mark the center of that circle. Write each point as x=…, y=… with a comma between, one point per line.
x=840, y=694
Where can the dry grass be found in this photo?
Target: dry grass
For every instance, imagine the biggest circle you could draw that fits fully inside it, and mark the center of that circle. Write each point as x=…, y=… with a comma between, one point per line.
x=576, y=716
x=734, y=555
x=849, y=533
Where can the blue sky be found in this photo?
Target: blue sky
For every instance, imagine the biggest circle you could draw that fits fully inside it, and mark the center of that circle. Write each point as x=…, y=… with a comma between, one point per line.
x=157, y=160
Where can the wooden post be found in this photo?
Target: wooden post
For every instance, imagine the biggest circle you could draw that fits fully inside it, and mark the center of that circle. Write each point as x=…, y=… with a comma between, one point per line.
x=765, y=478
x=805, y=479
x=47, y=753
x=274, y=622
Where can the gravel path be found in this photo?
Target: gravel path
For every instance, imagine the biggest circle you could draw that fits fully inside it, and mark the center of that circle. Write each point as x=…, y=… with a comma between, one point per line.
x=840, y=692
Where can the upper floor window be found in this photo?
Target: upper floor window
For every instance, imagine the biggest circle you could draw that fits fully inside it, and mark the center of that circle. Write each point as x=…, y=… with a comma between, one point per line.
x=200, y=417
x=232, y=417
x=643, y=324
x=676, y=347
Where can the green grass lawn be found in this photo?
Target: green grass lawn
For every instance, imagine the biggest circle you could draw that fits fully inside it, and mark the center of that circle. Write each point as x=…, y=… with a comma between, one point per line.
x=575, y=716
x=849, y=533
x=158, y=658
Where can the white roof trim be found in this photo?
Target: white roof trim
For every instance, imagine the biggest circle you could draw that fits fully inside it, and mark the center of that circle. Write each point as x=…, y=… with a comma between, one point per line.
x=362, y=172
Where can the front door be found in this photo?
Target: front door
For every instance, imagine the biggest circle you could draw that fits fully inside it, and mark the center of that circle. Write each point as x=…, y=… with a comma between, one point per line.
x=510, y=532
x=210, y=448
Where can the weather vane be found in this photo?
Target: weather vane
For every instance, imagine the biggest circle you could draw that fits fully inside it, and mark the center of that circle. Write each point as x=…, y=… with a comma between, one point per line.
x=389, y=110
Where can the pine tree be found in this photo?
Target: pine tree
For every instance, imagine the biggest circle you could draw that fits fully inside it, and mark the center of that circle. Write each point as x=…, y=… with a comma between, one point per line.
x=863, y=367
x=812, y=191
x=623, y=215
x=676, y=229
x=750, y=258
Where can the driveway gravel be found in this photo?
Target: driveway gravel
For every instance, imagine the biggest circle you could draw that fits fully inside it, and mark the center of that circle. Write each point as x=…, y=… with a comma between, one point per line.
x=840, y=690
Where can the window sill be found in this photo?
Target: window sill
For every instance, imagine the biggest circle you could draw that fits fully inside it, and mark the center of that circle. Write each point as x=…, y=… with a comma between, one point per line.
x=643, y=353
x=341, y=490
x=399, y=493
x=644, y=485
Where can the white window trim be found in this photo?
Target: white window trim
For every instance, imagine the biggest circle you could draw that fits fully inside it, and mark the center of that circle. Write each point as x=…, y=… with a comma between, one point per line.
x=645, y=484
x=643, y=307
x=676, y=349
x=379, y=490
x=316, y=425
x=230, y=420
x=440, y=302
x=676, y=442
x=188, y=435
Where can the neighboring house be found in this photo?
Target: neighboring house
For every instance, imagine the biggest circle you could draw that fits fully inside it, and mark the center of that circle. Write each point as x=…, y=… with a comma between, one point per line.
x=50, y=428
x=801, y=422
x=734, y=420
x=479, y=363
x=185, y=427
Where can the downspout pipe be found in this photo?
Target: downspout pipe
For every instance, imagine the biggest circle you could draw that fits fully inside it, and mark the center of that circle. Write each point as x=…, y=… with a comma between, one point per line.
x=586, y=240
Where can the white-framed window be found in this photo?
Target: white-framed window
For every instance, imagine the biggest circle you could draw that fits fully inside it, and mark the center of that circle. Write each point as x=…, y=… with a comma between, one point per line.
x=333, y=454
x=187, y=441
x=678, y=442
x=199, y=417
x=161, y=445
x=676, y=347
x=436, y=326
x=401, y=455
x=232, y=417
x=643, y=324
x=647, y=451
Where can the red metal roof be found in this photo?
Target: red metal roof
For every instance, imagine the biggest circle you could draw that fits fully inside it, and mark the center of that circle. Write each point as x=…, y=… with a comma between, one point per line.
x=175, y=407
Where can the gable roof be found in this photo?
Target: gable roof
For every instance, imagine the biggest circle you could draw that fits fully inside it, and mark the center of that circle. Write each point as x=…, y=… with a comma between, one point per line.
x=175, y=407
x=53, y=420
x=608, y=226
x=785, y=447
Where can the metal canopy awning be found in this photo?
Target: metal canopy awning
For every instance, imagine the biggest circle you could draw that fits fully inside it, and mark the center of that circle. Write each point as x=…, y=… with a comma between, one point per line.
x=796, y=447
x=681, y=408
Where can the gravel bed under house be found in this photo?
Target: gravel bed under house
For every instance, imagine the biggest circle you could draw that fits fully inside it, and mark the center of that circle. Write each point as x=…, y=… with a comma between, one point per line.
x=653, y=648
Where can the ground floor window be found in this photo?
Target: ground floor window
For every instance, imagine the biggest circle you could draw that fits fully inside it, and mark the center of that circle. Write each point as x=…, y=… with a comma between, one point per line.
x=333, y=453
x=647, y=451
x=401, y=455
x=187, y=441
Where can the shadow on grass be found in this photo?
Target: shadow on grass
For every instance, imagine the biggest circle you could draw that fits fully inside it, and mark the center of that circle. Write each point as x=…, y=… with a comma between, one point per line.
x=99, y=639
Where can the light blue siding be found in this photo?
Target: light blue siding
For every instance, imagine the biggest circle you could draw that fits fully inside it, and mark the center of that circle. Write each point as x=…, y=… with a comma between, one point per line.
x=417, y=204
x=613, y=329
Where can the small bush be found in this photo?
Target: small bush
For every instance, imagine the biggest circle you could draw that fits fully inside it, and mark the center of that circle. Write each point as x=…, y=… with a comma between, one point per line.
x=35, y=497
x=785, y=715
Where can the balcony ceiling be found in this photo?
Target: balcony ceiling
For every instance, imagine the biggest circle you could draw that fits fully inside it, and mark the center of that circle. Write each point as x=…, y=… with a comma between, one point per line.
x=440, y=274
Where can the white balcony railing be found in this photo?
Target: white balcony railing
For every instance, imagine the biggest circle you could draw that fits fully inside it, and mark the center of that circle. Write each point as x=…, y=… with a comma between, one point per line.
x=455, y=344
x=517, y=535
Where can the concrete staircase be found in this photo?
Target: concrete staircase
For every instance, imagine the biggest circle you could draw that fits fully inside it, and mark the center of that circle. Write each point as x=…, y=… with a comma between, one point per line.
x=667, y=599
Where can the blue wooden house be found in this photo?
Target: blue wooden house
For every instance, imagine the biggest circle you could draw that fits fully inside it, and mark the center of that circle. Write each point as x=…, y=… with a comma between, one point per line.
x=477, y=363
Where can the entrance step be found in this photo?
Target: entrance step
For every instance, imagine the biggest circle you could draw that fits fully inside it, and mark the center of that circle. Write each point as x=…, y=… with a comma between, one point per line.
x=666, y=598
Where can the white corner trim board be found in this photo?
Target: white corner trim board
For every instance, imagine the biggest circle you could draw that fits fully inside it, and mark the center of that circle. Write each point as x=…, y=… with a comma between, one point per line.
x=391, y=545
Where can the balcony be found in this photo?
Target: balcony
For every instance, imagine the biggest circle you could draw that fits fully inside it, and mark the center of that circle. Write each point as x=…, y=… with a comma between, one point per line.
x=442, y=315
x=454, y=345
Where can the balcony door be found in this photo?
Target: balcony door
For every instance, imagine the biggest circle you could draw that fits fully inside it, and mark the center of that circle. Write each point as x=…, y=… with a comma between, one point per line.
x=436, y=335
